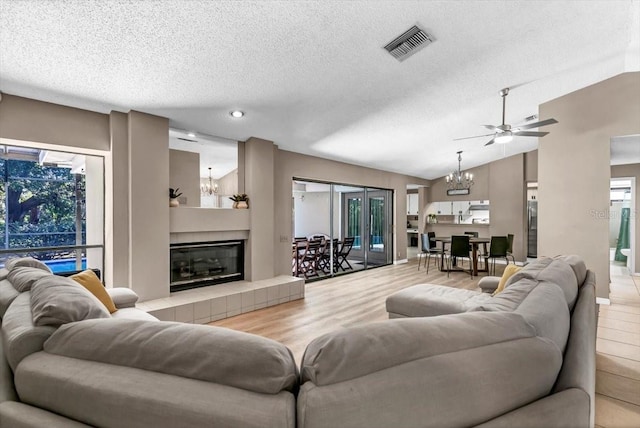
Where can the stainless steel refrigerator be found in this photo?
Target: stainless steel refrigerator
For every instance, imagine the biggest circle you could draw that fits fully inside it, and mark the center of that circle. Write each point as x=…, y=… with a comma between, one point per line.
x=532, y=228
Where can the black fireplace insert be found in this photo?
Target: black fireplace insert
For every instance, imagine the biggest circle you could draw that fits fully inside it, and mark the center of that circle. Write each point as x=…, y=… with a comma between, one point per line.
x=198, y=264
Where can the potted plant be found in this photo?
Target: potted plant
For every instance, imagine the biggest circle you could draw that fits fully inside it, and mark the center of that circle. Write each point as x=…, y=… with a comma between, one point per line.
x=240, y=201
x=173, y=197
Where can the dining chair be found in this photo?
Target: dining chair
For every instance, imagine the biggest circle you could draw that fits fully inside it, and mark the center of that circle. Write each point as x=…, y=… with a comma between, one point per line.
x=460, y=249
x=429, y=248
x=310, y=258
x=510, y=249
x=497, y=250
x=343, y=253
x=325, y=260
x=476, y=235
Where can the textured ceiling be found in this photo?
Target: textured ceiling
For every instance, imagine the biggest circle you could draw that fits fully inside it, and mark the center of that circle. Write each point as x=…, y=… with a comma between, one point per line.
x=312, y=75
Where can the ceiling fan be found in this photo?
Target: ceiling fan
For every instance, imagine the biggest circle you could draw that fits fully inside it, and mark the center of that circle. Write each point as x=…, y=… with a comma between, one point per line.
x=504, y=133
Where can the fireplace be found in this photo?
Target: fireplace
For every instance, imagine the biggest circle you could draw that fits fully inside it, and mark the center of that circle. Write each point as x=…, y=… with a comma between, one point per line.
x=198, y=264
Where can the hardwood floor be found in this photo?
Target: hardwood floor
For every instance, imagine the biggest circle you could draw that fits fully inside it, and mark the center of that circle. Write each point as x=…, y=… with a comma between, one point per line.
x=344, y=301
x=359, y=298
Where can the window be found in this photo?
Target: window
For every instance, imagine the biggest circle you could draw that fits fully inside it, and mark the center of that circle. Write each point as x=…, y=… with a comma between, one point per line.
x=51, y=207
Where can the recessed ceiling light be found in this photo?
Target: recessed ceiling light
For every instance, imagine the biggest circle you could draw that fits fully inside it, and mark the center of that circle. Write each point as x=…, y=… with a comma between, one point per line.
x=237, y=113
x=191, y=135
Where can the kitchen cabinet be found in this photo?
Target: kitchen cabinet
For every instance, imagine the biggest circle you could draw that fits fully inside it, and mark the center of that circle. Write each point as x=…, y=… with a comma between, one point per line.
x=412, y=204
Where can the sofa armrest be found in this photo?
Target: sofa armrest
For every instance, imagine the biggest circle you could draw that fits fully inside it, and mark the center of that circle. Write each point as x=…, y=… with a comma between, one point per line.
x=488, y=284
x=123, y=297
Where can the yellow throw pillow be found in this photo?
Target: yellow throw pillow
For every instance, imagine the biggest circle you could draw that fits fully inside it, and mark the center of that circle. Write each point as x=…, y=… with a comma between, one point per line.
x=509, y=271
x=89, y=280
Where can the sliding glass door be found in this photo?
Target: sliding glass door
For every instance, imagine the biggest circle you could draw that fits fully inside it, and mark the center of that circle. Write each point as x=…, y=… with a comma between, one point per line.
x=354, y=223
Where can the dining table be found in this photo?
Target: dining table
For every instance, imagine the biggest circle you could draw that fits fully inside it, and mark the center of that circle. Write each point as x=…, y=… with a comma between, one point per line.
x=475, y=242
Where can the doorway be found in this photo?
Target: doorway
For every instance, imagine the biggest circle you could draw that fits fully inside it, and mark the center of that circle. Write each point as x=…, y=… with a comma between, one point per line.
x=367, y=217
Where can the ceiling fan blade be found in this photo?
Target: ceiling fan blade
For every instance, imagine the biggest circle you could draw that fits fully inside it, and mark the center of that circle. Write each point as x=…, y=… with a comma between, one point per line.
x=537, y=124
x=477, y=136
x=490, y=142
x=491, y=127
x=530, y=133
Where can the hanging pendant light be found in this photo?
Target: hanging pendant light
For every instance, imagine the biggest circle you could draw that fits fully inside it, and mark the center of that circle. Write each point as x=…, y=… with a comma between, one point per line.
x=458, y=182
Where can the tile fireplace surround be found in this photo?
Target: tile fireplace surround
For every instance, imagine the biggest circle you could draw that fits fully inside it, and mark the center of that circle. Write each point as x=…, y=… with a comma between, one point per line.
x=211, y=303
x=206, y=304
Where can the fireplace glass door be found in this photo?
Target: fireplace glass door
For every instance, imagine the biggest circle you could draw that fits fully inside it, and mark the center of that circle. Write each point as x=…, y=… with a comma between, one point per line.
x=206, y=263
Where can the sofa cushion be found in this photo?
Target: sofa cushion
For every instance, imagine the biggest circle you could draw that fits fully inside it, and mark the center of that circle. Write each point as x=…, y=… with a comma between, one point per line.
x=212, y=354
x=3, y=273
x=22, y=277
x=123, y=297
x=109, y=396
x=427, y=300
x=20, y=336
x=57, y=300
x=547, y=312
x=556, y=271
x=578, y=266
x=509, y=271
x=26, y=262
x=133, y=314
x=7, y=295
x=89, y=280
x=349, y=353
x=510, y=298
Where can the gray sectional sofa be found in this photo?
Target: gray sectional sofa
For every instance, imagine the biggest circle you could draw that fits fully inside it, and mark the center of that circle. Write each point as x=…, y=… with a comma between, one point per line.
x=523, y=359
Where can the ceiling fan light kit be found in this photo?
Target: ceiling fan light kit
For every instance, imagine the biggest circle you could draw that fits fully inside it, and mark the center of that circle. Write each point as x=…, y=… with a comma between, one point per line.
x=504, y=133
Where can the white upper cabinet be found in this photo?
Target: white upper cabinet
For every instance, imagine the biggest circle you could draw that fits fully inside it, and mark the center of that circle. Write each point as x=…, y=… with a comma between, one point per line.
x=412, y=204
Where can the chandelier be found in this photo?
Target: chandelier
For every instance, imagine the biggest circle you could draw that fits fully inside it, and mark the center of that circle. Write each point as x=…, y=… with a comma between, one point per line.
x=209, y=188
x=459, y=182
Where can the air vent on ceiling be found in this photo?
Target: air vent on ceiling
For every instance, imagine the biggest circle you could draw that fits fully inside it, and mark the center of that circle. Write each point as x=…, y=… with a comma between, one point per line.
x=186, y=139
x=407, y=43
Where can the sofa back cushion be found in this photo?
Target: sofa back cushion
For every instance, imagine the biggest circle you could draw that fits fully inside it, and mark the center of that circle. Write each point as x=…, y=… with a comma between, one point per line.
x=349, y=353
x=57, y=300
x=7, y=295
x=555, y=271
x=200, y=352
x=509, y=299
x=20, y=336
x=578, y=266
x=23, y=277
x=546, y=310
x=26, y=262
x=450, y=370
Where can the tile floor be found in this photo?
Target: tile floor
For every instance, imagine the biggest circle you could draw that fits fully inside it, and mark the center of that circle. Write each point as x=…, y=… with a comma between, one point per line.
x=618, y=353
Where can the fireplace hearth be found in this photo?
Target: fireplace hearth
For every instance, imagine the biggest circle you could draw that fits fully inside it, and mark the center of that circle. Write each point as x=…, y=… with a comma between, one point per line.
x=199, y=264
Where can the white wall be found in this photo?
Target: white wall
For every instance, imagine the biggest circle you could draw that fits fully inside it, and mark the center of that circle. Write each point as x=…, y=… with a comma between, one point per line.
x=312, y=213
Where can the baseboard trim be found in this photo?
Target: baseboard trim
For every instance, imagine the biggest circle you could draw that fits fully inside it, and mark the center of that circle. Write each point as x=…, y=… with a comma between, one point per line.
x=603, y=301
x=400, y=262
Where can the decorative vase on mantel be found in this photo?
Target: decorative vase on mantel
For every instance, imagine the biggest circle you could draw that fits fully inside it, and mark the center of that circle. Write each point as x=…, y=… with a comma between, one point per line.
x=173, y=197
x=240, y=201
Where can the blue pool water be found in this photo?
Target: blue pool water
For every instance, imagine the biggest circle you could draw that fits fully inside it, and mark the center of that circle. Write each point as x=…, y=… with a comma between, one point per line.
x=64, y=265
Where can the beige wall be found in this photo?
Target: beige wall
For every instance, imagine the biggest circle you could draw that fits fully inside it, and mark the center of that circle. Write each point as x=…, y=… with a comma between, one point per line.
x=632, y=170
x=117, y=230
x=184, y=174
x=507, y=195
x=289, y=165
x=228, y=185
x=149, y=205
x=574, y=170
x=531, y=166
x=259, y=186
x=31, y=120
